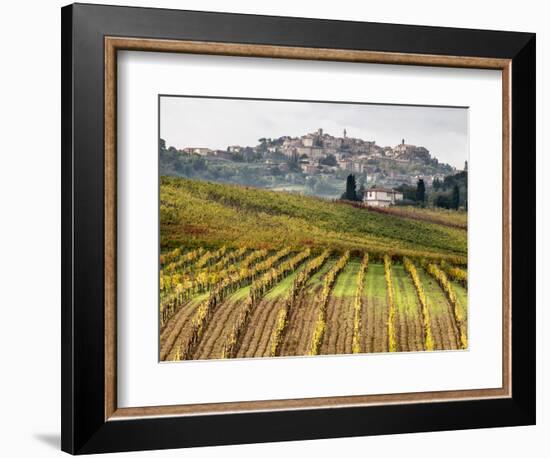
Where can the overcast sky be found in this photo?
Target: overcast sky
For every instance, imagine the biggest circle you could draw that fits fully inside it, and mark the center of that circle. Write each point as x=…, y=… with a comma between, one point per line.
x=218, y=123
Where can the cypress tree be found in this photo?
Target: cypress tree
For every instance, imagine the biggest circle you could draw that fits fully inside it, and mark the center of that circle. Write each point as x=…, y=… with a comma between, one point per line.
x=420, y=191
x=350, y=193
x=455, y=199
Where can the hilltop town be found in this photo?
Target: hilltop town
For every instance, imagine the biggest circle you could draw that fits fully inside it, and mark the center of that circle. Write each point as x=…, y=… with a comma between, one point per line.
x=315, y=163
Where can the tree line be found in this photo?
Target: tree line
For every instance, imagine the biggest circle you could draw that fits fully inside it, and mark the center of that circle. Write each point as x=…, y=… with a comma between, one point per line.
x=449, y=193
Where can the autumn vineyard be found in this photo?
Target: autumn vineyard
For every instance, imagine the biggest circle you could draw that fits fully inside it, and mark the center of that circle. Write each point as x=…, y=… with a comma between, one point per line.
x=255, y=273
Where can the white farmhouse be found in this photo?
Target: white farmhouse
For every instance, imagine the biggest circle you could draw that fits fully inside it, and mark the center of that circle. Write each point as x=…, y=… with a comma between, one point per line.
x=381, y=197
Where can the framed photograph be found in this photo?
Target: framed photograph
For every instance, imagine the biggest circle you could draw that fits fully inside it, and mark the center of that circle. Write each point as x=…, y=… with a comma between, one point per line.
x=283, y=228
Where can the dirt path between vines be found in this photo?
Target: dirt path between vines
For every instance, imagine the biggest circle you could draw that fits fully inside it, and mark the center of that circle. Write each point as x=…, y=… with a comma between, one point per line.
x=374, y=317
x=338, y=337
x=303, y=317
x=175, y=330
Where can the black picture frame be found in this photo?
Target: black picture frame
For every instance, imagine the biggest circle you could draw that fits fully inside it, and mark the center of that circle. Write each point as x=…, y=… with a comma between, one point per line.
x=84, y=428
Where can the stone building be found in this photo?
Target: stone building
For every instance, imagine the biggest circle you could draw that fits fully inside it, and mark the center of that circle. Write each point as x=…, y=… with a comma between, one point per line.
x=381, y=197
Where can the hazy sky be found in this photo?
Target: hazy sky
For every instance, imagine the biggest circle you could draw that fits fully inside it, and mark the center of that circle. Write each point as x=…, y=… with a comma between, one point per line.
x=218, y=123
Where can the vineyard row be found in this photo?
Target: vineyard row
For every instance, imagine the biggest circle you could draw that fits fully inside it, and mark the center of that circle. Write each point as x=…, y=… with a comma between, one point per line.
x=220, y=273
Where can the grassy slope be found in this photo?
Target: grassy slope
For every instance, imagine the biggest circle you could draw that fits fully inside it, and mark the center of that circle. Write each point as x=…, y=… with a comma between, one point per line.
x=375, y=282
x=346, y=282
x=442, y=322
x=375, y=310
x=437, y=302
x=195, y=213
x=410, y=336
x=405, y=295
x=436, y=215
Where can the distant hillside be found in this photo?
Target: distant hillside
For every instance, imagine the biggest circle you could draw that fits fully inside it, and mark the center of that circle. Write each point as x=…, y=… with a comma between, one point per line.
x=197, y=213
x=313, y=164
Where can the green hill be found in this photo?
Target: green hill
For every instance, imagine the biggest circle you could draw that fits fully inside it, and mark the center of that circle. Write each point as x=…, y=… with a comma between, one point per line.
x=199, y=213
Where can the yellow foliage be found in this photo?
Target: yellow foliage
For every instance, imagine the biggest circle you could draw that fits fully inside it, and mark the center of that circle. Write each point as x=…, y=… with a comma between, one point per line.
x=428, y=337
x=392, y=339
x=456, y=273
x=277, y=334
x=301, y=279
x=257, y=290
x=318, y=333
x=357, y=304
x=328, y=283
x=446, y=285
x=219, y=293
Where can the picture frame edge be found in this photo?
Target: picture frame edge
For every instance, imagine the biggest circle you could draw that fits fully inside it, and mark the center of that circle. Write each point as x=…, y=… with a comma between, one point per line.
x=95, y=433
